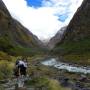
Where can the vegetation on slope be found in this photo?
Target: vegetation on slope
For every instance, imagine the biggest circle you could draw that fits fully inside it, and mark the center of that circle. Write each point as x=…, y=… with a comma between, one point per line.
x=75, y=51
x=75, y=45
x=15, y=39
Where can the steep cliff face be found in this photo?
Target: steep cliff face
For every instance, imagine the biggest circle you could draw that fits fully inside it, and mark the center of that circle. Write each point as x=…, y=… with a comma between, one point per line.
x=76, y=42
x=57, y=38
x=79, y=27
x=13, y=36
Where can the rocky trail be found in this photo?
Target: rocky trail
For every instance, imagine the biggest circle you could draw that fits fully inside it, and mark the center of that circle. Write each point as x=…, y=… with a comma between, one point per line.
x=82, y=83
x=12, y=85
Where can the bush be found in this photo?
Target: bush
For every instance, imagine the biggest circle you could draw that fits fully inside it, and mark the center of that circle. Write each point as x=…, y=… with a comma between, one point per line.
x=5, y=70
x=4, y=56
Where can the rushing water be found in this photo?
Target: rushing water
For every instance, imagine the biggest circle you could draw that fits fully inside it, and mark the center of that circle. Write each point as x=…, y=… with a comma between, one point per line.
x=64, y=66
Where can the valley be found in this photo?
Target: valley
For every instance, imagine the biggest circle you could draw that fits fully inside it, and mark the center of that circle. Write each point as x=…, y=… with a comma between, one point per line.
x=61, y=64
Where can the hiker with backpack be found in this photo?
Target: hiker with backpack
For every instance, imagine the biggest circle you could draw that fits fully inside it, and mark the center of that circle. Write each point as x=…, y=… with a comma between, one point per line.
x=20, y=72
x=21, y=67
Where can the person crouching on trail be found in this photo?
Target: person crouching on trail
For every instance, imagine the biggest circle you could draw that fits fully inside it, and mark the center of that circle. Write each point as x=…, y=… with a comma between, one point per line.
x=21, y=66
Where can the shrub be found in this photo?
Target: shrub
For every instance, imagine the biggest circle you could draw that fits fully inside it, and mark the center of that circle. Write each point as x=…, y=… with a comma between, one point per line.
x=5, y=70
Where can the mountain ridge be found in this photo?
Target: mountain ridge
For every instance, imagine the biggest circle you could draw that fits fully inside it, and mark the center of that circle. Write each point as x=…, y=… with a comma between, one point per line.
x=75, y=45
x=13, y=35
x=57, y=38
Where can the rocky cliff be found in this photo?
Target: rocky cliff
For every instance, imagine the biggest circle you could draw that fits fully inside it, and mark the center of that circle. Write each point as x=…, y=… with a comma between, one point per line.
x=79, y=27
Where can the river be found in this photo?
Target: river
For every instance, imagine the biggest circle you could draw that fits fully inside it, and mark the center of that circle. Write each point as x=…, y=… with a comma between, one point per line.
x=65, y=66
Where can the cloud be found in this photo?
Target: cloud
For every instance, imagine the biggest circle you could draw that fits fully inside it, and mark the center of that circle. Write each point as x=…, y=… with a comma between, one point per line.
x=43, y=21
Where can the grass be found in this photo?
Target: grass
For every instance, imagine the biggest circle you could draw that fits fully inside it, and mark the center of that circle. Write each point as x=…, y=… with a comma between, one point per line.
x=6, y=70
x=13, y=48
x=75, y=51
x=55, y=85
x=83, y=59
x=6, y=65
x=4, y=56
x=48, y=84
x=2, y=88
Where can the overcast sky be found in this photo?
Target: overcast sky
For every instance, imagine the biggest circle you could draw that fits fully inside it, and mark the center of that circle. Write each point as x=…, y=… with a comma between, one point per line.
x=43, y=17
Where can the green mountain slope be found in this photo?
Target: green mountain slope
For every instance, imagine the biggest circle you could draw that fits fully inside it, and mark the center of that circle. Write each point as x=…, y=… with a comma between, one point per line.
x=15, y=38
x=75, y=45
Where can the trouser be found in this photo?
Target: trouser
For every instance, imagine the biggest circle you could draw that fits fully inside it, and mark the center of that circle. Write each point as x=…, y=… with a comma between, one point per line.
x=22, y=70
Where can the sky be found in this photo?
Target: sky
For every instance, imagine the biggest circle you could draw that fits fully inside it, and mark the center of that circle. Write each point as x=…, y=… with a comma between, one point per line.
x=43, y=17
